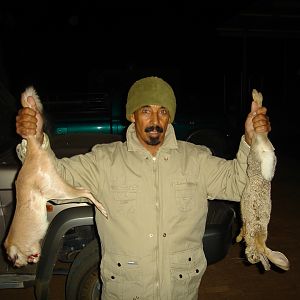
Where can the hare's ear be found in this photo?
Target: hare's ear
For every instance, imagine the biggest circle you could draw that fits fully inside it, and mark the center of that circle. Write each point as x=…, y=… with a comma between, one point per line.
x=278, y=259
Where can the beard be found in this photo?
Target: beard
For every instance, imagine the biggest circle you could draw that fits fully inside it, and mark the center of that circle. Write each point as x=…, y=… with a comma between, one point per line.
x=153, y=141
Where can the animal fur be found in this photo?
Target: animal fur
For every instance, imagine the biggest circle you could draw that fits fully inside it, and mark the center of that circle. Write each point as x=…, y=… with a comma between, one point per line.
x=256, y=201
x=37, y=182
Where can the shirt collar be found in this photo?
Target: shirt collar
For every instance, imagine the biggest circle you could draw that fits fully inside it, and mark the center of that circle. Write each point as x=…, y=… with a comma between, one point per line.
x=133, y=144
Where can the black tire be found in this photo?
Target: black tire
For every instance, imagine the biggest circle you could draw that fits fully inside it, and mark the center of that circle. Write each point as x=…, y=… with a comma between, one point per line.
x=83, y=279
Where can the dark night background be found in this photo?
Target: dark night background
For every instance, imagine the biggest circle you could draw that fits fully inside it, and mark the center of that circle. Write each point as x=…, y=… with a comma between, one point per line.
x=212, y=54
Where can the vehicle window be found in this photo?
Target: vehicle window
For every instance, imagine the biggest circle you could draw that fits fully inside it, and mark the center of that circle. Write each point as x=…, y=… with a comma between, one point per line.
x=8, y=111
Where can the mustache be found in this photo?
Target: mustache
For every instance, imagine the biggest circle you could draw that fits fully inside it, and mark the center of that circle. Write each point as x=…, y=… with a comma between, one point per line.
x=154, y=128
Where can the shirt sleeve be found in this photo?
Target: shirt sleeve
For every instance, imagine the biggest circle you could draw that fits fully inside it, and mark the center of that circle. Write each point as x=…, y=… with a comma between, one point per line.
x=226, y=179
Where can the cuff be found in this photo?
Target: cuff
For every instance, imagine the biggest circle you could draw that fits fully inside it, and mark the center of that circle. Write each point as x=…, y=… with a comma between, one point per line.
x=244, y=147
x=244, y=141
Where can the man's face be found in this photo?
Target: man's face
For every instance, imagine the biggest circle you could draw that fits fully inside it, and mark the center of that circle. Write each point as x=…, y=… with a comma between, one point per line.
x=151, y=123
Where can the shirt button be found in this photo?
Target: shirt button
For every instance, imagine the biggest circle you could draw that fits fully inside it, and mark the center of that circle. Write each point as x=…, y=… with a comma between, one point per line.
x=164, y=234
x=151, y=235
x=166, y=158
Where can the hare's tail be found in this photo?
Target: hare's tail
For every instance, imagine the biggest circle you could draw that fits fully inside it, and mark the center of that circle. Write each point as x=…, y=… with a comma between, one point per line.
x=268, y=164
x=30, y=91
x=265, y=153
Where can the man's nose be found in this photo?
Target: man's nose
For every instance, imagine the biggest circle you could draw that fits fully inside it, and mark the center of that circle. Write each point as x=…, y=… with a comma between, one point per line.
x=154, y=118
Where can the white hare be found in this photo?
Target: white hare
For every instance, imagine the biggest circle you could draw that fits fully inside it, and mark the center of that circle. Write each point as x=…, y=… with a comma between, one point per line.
x=256, y=201
x=37, y=182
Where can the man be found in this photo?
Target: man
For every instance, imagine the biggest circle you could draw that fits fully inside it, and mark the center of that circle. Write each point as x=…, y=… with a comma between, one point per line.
x=155, y=191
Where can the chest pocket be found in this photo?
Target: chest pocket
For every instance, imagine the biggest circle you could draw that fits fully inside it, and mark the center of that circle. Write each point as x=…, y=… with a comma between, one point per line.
x=185, y=194
x=125, y=198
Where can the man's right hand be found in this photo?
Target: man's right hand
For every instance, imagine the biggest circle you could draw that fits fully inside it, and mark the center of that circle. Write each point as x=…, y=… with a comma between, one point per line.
x=29, y=121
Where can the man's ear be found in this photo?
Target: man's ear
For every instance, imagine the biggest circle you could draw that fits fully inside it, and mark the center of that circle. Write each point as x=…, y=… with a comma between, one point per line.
x=132, y=118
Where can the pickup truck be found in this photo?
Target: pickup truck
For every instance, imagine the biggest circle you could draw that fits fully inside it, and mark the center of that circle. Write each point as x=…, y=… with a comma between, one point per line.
x=71, y=245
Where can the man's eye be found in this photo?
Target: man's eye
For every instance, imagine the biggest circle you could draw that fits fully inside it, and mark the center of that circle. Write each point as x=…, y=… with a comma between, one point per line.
x=146, y=111
x=163, y=112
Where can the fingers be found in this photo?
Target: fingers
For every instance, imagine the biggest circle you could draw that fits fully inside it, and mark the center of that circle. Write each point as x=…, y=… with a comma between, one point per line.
x=26, y=122
x=26, y=111
x=261, y=111
x=28, y=101
x=31, y=102
x=261, y=123
x=257, y=110
x=254, y=107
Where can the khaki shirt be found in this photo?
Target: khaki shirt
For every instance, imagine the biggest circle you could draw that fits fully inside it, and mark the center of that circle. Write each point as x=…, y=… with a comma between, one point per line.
x=157, y=207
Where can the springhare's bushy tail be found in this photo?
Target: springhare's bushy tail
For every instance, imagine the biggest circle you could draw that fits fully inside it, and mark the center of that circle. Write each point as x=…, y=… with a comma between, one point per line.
x=30, y=91
x=264, y=151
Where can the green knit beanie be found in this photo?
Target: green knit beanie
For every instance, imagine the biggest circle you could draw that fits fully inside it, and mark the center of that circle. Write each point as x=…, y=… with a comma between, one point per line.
x=150, y=91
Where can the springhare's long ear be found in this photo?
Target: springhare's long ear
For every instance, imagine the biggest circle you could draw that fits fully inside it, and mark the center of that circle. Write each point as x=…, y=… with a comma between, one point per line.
x=278, y=259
